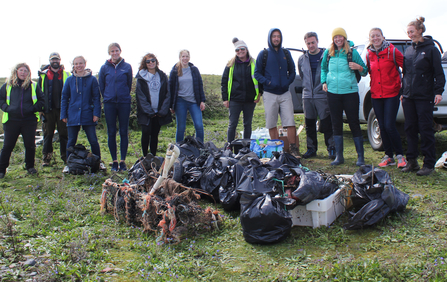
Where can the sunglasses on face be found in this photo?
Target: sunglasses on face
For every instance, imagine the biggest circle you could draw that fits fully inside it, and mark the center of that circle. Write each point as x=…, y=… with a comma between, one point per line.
x=240, y=49
x=150, y=61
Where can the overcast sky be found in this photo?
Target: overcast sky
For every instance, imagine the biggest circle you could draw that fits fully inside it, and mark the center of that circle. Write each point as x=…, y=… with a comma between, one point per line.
x=31, y=30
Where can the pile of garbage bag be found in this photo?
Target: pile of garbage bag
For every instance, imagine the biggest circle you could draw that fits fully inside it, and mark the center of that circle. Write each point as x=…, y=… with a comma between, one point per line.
x=374, y=196
x=171, y=211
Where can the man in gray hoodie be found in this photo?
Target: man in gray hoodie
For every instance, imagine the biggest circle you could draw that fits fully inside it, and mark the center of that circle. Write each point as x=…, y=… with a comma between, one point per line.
x=315, y=102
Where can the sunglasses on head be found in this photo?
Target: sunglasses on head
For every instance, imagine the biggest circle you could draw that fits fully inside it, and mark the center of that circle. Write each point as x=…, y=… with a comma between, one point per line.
x=151, y=61
x=240, y=49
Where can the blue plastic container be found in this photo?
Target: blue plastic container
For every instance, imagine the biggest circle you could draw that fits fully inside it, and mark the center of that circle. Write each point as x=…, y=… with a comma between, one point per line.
x=274, y=145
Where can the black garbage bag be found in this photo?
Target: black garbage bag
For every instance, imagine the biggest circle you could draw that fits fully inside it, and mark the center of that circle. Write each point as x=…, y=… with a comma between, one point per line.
x=312, y=186
x=286, y=158
x=378, y=196
x=254, y=180
x=241, y=144
x=190, y=146
x=143, y=165
x=264, y=219
x=82, y=161
x=228, y=195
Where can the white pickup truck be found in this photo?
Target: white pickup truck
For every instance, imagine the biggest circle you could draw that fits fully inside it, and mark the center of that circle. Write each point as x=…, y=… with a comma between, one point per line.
x=366, y=112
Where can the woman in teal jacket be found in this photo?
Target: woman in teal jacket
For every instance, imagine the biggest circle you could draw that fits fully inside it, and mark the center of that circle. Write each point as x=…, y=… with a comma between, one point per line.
x=338, y=75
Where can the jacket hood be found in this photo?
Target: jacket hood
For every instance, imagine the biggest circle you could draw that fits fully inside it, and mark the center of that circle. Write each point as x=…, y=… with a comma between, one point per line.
x=88, y=72
x=269, y=40
x=109, y=62
x=143, y=74
x=351, y=43
x=428, y=40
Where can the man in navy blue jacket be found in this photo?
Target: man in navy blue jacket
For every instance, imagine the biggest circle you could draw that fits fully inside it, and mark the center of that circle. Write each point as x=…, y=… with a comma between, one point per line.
x=275, y=70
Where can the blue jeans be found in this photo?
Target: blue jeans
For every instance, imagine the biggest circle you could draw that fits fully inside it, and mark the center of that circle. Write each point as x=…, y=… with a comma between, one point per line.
x=90, y=131
x=235, y=110
x=181, y=110
x=386, y=112
x=348, y=103
x=113, y=111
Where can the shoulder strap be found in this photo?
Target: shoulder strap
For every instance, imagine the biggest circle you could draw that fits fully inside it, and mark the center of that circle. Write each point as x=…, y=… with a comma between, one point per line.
x=289, y=59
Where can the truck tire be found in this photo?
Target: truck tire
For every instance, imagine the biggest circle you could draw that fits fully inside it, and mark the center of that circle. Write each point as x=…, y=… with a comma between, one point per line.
x=374, y=132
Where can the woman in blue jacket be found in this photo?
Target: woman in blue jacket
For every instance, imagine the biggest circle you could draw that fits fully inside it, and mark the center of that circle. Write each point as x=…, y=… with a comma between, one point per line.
x=186, y=87
x=115, y=83
x=153, y=102
x=80, y=105
x=339, y=80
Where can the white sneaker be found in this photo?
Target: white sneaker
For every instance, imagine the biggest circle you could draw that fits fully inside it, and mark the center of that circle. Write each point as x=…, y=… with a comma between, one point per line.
x=66, y=169
x=102, y=167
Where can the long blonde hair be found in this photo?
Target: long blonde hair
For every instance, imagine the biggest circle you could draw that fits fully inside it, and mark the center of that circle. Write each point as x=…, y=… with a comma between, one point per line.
x=334, y=47
x=179, y=64
x=13, y=80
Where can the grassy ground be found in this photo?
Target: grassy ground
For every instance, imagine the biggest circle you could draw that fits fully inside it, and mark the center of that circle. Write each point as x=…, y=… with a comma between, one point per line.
x=55, y=220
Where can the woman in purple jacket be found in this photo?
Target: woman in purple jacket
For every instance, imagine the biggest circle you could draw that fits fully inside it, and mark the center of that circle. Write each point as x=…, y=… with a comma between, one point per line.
x=115, y=83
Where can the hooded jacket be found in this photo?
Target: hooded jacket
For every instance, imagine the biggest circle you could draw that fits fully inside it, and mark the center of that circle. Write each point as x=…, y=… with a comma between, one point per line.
x=340, y=79
x=115, y=82
x=199, y=94
x=277, y=76
x=21, y=106
x=311, y=89
x=47, y=85
x=423, y=74
x=385, y=79
x=144, y=107
x=242, y=86
x=80, y=99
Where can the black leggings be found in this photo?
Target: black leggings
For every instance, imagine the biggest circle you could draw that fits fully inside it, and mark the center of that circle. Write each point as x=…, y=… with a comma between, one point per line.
x=348, y=103
x=150, y=133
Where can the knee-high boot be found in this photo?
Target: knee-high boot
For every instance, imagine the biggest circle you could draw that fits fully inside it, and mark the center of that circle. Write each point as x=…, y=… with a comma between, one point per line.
x=358, y=141
x=338, y=140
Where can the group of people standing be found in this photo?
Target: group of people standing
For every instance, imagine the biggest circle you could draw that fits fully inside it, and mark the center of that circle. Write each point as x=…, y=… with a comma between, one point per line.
x=330, y=78
x=68, y=101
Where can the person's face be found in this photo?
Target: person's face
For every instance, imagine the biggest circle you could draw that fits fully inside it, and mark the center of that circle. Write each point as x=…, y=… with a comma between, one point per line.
x=312, y=44
x=22, y=73
x=276, y=38
x=115, y=53
x=241, y=52
x=339, y=41
x=376, y=38
x=79, y=65
x=55, y=63
x=414, y=34
x=184, y=58
x=151, y=63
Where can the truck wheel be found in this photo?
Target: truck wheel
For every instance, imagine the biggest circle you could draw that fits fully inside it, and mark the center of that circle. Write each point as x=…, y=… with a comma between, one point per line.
x=374, y=132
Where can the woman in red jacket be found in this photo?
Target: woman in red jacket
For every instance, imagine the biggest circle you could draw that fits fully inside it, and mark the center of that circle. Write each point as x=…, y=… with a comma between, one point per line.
x=384, y=61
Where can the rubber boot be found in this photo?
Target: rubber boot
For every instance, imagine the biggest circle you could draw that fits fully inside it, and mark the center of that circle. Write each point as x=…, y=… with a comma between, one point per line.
x=358, y=142
x=338, y=140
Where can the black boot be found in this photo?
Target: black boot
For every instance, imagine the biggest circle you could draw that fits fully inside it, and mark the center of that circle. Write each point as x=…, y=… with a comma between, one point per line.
x=412, y=165
x=358, y=142
x=338, y=140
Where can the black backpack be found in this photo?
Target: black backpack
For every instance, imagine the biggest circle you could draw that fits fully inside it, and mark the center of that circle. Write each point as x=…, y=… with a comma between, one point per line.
x=349, y=58
x=82, y=161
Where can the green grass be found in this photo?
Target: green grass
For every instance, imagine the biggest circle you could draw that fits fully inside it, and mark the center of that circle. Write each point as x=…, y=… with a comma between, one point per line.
x=55, y=219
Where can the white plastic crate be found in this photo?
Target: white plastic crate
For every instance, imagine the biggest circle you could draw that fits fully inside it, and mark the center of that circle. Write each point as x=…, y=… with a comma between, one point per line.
x=319, y=212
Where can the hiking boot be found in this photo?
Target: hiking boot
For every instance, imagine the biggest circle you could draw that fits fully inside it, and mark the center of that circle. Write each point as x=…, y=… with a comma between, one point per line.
x=293, y=149
x=309, y=154
x=114, y=166
x=386, y=161
x=102, y=166
x=123, y=166
x=412, y=165
x=66, y=169
x=424, y=171
x=47, y=159
x=331, y=152
x=401, y=161
x=32, y=171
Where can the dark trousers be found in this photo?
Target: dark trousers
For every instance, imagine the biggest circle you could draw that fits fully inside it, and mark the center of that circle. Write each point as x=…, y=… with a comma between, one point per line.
x=12, y=130
x=53, y=119
x=349, y=103
x=419, y=119
x=90, y=132
x=386, y=112
x=120, y=112
x=149, y=133
x=235, y=110
x=311, y=133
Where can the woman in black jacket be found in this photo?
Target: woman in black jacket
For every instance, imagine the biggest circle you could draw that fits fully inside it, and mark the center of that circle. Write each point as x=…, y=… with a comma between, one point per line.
x=153, y=102
x=20, y=101
x=423, y=82
x=240, y=91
